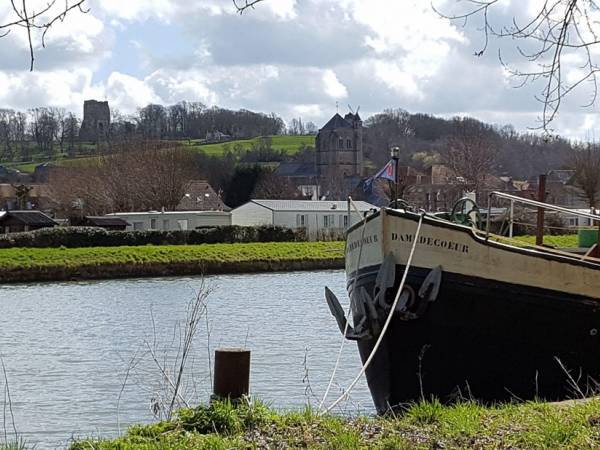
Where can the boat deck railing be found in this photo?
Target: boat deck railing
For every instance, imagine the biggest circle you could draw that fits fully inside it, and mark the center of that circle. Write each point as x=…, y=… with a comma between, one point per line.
x=592, y=253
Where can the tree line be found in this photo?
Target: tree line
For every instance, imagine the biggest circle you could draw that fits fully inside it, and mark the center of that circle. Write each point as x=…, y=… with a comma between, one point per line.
x=425, y=139
x=47, y=132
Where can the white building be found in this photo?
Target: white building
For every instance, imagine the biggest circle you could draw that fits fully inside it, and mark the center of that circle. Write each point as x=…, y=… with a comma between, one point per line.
x=173, y=220
x=574, y=221
x=317, y=217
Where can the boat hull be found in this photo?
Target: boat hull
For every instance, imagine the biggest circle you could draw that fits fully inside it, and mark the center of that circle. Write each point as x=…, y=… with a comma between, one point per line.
x=482, y=339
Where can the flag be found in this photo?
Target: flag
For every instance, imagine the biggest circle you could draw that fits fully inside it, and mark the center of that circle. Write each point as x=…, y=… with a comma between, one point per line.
x=387, y=173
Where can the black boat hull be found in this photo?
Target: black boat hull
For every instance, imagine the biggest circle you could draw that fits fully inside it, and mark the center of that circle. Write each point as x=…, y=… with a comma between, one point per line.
x=484, y=340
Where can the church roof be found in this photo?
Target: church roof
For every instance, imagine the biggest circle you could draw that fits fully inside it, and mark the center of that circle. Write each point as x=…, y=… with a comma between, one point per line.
x=297, y=169
x=336, y=122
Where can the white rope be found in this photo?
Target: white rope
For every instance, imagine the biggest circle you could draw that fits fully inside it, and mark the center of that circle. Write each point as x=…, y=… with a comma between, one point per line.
x=339, y=356
x=387, y=322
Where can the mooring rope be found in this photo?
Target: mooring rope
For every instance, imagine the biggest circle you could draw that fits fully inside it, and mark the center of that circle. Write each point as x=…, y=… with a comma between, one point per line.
x=387, y=322
x=339, y=356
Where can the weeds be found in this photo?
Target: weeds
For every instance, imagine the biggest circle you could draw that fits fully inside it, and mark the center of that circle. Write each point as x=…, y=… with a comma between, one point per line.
x=427, y=424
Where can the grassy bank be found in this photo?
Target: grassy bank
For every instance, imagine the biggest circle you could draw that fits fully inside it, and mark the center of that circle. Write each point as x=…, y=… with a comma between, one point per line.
x=426, y=425
x=38, y=264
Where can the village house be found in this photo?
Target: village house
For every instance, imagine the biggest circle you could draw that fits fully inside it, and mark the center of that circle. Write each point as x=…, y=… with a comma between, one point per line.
x=18, y=221
x=108, y=223
x=26, y=196
x=172, y=220
x=319, y=218
x=200, y=196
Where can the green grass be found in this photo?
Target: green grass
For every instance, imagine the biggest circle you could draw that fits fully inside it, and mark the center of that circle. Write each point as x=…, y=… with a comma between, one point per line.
x=559, y=241
x=290, y=144
x=423, y=425
x=31, y=258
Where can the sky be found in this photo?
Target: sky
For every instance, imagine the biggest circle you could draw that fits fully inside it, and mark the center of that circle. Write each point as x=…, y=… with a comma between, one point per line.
x=296, y=58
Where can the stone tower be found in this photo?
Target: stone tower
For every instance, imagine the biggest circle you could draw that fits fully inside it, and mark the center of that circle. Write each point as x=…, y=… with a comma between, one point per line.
x=96, y=120
x=340, y=147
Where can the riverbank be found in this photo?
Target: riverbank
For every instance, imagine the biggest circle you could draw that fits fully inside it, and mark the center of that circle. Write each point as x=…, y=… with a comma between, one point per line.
x=428, y=425
x=64, y=264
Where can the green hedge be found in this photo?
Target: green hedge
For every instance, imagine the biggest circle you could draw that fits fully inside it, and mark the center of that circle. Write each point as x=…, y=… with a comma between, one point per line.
x=72, y=237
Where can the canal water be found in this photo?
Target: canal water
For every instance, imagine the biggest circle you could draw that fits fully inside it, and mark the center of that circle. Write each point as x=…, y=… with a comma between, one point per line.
x=77, y=354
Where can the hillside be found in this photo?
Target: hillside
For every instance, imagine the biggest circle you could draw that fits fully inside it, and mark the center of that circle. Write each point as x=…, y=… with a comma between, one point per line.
x=287, y=144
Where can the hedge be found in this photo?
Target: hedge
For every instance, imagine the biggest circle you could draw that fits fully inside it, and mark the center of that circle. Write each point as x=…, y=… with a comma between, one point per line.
x=72, y=237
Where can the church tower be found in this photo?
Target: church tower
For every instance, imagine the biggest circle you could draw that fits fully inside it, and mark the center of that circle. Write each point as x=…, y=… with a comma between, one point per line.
x=340, y=147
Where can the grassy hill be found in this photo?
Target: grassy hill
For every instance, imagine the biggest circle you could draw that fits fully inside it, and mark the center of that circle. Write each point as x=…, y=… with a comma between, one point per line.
x=289, y=144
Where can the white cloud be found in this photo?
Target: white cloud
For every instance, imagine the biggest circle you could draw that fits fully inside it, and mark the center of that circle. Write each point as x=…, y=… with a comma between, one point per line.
x=137, y=10
x=332, y=85
x=128, y=93
x=294, y=58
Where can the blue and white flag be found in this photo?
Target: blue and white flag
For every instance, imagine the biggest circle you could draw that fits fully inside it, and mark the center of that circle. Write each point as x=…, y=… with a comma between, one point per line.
x=387, y=173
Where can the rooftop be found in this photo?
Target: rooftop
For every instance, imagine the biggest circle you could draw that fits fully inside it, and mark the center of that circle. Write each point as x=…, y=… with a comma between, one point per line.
x=165, y=213
x=103, y=221
x=336, y=122
x=200, y=196
x=311, y=205
x=28, y=217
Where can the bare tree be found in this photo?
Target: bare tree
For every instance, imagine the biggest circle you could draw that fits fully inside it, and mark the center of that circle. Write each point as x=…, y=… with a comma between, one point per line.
x=70, y=132
x=387, y=129
x=557, y=33
x=471, y=152
x=6, y=136
x=586, y=162
x=38, y=22
x=150, y=176
x=272, y=186
x=43, y=129
x=60, y=116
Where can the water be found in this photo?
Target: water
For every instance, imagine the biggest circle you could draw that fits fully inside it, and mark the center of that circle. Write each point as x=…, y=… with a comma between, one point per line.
x=67, y=347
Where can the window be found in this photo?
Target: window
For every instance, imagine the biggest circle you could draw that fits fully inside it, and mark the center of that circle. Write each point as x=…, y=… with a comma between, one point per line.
x=329, y=221
x=341, y=143
x=153, y=224
x=348, y=143
x=344, y=221
x=301, y=220
x=573, y=221
x=138, y=226
x=165, y=224
x=182, y=224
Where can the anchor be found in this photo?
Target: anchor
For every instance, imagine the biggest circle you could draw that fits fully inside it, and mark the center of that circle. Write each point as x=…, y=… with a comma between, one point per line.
x=340, y=317
x=370, y=311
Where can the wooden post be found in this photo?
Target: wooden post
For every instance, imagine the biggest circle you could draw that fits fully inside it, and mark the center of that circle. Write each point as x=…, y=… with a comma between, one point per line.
x=539, y=234
x=596, y=252
x=232, y=373
x=512, y=219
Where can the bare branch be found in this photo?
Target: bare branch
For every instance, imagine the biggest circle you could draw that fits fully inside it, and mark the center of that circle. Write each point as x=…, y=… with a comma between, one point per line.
x=242, y=6
x=28, y=19
x=558, y=31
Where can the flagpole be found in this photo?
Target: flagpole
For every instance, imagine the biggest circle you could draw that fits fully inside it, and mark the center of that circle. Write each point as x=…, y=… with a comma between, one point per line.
x=395, y=152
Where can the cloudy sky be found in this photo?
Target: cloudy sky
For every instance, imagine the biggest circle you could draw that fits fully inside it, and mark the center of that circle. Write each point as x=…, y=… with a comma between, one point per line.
x=291, y=57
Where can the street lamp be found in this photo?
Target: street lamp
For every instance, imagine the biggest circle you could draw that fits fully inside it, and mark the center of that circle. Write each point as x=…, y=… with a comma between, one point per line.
x=395, y=153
